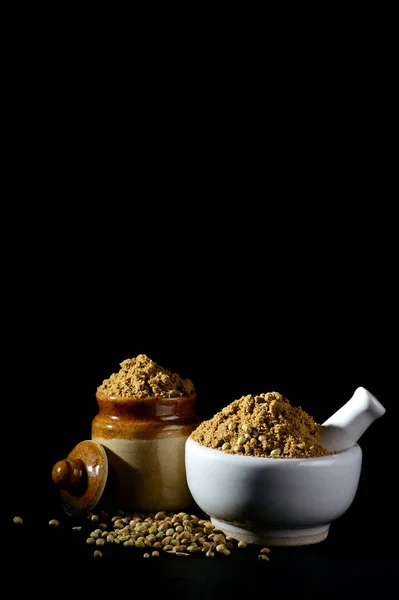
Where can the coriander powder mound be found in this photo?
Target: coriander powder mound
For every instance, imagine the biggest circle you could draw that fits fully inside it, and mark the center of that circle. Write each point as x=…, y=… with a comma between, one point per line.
x=266, y=425
x=141, y=377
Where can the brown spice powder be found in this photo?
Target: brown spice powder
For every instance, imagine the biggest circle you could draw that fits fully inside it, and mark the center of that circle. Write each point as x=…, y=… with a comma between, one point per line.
x=141, y=377
x=265, y=425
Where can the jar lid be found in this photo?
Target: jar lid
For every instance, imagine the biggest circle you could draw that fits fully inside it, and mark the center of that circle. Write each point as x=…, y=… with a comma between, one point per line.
x=81, y=477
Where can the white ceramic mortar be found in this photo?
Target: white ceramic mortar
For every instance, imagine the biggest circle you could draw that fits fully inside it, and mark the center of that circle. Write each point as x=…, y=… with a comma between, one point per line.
x=284, y=501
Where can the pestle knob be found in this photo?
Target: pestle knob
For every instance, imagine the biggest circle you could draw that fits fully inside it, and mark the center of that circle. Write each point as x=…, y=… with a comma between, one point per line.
x=343, y=429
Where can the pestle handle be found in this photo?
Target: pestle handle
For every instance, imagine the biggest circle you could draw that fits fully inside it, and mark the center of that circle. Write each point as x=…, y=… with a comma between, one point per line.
x=345, y=427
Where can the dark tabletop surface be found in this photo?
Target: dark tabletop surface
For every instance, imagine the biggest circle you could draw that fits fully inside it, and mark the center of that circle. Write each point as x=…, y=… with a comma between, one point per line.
x=358, y=559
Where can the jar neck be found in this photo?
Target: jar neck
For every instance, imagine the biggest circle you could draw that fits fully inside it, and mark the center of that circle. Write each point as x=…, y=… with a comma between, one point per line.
x=153, y=407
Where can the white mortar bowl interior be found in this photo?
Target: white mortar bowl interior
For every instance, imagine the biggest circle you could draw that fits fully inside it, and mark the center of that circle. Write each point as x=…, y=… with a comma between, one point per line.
x=272, y=501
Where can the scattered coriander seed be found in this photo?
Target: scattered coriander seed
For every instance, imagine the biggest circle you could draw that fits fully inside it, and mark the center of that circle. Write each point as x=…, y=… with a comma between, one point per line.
x=262, y=438
x=237, y=448
x=18, y=520
x=180, y=534
x=226, y=446
x=166, y=540
x=246, y=428
x=241, y=440
x=275, y=452
x=263, y=557
x=95, y=518
x=77, y=528
x=97, y=554
x=231, y=426
x=219, y=537
x=54, y=523
x=153, y=529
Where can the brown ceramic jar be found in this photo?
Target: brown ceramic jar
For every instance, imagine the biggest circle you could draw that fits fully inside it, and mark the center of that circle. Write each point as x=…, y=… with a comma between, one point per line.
x=144, y=439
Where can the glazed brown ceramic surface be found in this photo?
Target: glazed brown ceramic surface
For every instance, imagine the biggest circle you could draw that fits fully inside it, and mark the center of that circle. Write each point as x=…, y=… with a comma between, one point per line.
x=81, y=477
x=146, y=418
x=144, y=439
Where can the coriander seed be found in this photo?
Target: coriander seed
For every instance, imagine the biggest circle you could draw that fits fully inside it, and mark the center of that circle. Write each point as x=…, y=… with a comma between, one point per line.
x=275, y=452
x=54, y=523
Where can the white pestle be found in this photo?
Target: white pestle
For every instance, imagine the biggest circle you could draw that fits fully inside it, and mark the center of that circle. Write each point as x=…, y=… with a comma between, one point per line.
x=345, y=427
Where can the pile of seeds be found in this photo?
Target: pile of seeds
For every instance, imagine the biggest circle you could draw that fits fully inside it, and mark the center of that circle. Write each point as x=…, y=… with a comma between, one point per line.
x=179, y=534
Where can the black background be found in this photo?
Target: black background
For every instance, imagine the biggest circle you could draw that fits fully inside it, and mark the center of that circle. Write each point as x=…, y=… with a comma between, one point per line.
x=121, y=236
x=67, y=350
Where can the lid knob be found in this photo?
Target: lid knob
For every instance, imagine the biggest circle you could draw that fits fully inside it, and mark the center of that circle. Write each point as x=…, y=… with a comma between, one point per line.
x=69, y=474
